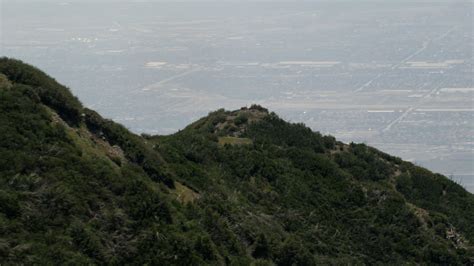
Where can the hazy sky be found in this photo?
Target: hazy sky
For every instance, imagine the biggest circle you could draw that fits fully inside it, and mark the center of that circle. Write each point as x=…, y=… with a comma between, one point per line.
x=134, y=1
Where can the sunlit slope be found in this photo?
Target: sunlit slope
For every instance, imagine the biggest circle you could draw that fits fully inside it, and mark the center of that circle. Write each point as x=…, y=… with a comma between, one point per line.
x=236, y=187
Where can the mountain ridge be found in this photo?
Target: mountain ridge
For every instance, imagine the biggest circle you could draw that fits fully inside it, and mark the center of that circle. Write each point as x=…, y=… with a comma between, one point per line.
x=239, y=187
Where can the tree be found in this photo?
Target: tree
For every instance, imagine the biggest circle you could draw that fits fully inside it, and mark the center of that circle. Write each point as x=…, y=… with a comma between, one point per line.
x=262, y=249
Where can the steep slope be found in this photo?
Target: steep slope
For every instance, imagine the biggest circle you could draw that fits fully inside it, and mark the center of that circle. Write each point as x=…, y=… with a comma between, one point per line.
x=76, y=188
x=344, y=203
x=236, y=187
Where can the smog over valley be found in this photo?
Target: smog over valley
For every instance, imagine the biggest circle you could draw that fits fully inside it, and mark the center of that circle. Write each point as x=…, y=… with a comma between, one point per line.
x=253, y=132
x=396, y=75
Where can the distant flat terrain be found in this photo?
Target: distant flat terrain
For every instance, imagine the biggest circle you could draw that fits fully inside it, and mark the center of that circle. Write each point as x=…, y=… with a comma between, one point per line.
x=396, y=76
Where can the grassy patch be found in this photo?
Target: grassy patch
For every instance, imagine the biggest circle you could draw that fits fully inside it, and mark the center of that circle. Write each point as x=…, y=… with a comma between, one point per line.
x=184, y=194
x=234, y=141
x=4, y=82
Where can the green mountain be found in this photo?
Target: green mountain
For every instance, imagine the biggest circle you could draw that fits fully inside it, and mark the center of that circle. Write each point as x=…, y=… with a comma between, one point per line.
x=237, y=187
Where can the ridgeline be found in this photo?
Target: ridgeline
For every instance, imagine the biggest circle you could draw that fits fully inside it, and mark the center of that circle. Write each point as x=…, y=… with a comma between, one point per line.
x=237, y=187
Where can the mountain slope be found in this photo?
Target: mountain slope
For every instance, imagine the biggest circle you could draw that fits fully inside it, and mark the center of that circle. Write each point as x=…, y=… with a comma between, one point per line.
x=236, y=187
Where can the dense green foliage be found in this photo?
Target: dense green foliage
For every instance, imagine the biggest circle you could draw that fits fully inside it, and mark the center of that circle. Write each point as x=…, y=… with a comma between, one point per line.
x=51, y=93
x=79, y=189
